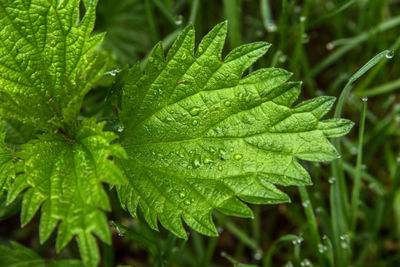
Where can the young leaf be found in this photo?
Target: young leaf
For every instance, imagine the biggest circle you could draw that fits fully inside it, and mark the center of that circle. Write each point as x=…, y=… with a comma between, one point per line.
x=199, y=136
x=45, y=58
x=64, y=178
x=18, y=255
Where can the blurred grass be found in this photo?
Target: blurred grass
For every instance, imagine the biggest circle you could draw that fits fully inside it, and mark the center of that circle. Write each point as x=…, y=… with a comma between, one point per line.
x=351, y=215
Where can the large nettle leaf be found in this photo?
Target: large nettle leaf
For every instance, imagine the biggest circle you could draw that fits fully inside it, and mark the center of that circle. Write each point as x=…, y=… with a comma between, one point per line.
x=46, y=61
x=47, y=66
x=200, y=136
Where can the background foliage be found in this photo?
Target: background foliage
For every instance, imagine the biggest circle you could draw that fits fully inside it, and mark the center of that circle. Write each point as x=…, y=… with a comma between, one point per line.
x=323, y=43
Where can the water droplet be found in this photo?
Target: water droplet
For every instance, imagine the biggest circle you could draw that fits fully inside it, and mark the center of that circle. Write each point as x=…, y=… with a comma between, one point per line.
x=195, y=122
x=303, y=18
x=238, y=156
x=257, y=255
x=207, y=160
x=329, y=46
x=289, y=264
x=219, y=168
x=220, y=229
x=298, y=240
x=187, y=202
x=182, y=194
x=282, y=59
x=271, y=27
x=179, y=20
x=247, y=99
x=183, y=57
x=305, y=38
x=345, y=241
x=305, y=263
x=363, y=167
x=200, y=50
x=113, y=72
x=196, y=161
x=389, y=54
x=227, y=103
x=169, y=119
x=194, y=111
x=306, y=203
x=332, y=180
x=322, y=248
x=212, y=150
x=364, y=99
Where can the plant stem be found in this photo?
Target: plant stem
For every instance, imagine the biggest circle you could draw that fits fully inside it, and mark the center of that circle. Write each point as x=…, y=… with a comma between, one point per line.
x=312, y=223
x=355, y=196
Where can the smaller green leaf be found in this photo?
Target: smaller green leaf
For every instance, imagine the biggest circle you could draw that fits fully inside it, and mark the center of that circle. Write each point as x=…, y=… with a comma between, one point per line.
x=8, y=166
x=18, y=255
x=63, y=175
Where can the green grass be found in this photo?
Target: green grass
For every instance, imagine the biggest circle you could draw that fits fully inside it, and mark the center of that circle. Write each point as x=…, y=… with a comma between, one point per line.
x=351, y=215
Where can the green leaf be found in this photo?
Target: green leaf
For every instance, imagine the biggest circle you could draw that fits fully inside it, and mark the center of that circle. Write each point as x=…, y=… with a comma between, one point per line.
x=20, y=256
x=64, y=177
x=200, y=136
x=8, y=168
x=46, y=59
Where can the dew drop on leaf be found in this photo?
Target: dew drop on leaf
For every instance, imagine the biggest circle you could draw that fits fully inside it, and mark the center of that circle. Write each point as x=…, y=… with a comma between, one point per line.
x=238, y=156
x=271, y=27
x=195, y=122
x=207, y=160
x=389, y=54
x=200, y=50
x=329, y=46
x=183, y=57
x=187, y=202
x=182, y=194
x=322, y=248
x=227, y=103
x=196, y=161
x=306, y=203
x=305, y=263
x=194, y=111
x=219, y=168
x=179, y=20
x=282, y=59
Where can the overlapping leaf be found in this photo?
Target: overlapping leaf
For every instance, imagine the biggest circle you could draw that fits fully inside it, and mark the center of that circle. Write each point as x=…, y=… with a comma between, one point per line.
x=199, y=136
x=63, y=177
x=8, y=168
x=20, y=256
x=45, y=58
